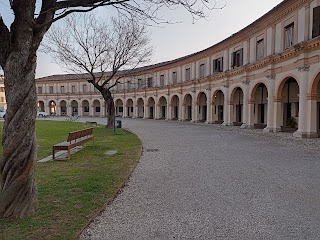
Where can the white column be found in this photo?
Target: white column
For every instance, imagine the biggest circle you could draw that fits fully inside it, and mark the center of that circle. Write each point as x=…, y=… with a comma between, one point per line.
x=226, y=109
x=303, y=103
x=194, y=108
x=169, y=111
x=312, y=130
x=180, y=110
x=209, y=105
x=251, y=111
x=245, y=105
x=271, y=104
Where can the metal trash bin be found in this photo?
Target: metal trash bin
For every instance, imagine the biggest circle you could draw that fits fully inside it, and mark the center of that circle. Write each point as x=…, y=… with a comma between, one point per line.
x=118, y=124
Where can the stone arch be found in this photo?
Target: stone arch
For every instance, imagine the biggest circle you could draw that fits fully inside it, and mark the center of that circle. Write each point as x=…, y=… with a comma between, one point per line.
x=151, y=103
x=187, y=102
x=314, y=97
x=118, y=104
x=41, y=106
x=202, y=106
x=259, y=105
x=236, y=100
x=162, y=103
x=85, y=107
x=288, y=96
x=52, y=107
x=129, y=107
x=218, y=106
x=74, y=108
x=140, y=106
x=175, y=107
x=63, y=108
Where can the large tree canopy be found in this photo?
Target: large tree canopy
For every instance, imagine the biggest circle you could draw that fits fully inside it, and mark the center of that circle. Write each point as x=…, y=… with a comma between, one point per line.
x=18, y=56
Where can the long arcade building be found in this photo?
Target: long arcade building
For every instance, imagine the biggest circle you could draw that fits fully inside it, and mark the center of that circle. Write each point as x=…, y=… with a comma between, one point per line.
x=265, y=76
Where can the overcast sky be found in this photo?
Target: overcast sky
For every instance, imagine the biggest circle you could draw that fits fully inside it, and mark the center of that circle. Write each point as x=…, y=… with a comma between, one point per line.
x=177, y=40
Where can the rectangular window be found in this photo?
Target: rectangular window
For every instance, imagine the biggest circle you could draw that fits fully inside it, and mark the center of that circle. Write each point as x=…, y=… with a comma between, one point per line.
x=121, y=109
x=218, y=65
x=86, y=109
x=39, y=90
x=140, y=83
x=174, y=77
x=149, y=82
x=288, y=36
x=316, y=22
x=51, y=89
x=129, y=85
x=260, y=49
x=188, y=74
x=73, y=89
x=97, y=109
x=161, y=80
x=62, y=89
x=202, y=70
x=84, y=88
x=237, y=58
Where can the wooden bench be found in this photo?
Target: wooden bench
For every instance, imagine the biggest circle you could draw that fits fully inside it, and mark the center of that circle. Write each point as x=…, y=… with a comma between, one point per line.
x=74, y=139
x=91, y=123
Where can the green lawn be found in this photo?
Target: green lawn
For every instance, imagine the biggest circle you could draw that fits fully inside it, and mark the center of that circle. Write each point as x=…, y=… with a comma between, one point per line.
x=73, y=192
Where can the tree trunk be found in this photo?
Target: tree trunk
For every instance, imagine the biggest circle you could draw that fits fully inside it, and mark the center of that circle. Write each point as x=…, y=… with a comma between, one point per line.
x=18, y=196
x=111, y=112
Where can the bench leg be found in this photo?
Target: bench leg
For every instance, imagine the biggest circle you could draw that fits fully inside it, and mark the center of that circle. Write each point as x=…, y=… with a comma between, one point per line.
x=53, y=153
x=68, y=153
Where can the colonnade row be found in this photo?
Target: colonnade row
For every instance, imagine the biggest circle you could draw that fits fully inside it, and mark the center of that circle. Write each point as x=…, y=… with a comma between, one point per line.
x=289, y=105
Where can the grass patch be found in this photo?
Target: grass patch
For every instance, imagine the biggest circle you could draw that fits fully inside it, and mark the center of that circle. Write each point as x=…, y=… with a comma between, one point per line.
x=71, y=192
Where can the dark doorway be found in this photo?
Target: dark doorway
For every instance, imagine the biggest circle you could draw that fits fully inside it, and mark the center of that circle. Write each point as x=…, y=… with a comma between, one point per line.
x=189, y=113
x=220, y=113
x=175, y=112
x=163, y=110
x=239, y=113
x=204, y=113
x=261, y=113
x=151, y=112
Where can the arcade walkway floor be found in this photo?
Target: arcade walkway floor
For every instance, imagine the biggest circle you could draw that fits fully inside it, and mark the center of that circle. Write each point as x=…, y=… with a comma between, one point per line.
x=204, y=182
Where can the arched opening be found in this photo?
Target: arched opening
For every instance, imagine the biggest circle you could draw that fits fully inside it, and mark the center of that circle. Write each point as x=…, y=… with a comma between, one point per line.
x=289, y=90
x=96, y=108
x=119, y=107
x=202, y=107
x=130, y=108
x=260, y=105
x=163, y=108
x=237, y=101
x=188, y=107
x=151, y=104
x=175, y=107
x=140, y=104
x=74, y=108
x=86, y=108
x=52, y=108
x=218, y=102
x=41, y=106
x=315, y=105
x=63, y=108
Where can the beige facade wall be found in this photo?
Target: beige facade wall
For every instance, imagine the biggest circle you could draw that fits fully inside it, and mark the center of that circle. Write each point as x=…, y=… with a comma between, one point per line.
x=3, y=103
x=280, y=88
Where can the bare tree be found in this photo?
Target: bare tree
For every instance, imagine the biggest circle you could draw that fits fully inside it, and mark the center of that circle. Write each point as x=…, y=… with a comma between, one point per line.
x=107, y=51
x=18, y=56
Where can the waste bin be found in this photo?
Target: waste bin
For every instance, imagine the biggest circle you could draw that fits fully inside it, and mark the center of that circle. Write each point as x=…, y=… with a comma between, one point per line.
x=118, y=124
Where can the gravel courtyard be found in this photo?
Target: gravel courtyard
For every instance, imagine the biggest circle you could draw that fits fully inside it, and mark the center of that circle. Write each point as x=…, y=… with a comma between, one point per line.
x=213, y=182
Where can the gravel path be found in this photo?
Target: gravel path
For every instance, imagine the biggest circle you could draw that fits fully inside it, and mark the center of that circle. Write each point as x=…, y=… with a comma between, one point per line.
x=214, y=182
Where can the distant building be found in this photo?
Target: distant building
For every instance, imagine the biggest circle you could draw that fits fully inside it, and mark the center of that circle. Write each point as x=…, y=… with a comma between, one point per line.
x=265, y=76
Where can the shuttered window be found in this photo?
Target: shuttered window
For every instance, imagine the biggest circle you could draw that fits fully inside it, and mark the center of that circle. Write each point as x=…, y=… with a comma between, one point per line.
x=237, y=58
x=188, y=74
x=288, y=36
x=174, y=77
x=316, y=22
x=260, y=49
x=202, y=71
x=161, y=80
x=218, y=65
x=149, y=82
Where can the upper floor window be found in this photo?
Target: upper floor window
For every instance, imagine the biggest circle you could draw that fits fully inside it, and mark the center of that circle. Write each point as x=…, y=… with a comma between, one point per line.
x=84, y=88
x=129, y=85
x=174, y=77
x=316, y=22
x=62, y=89
x=288, y=36
x=218, y=65
x=260, y=49
x=39, y=90
x=73, y=89
x=161, y=80
x=149, y=82
x=51, y=89
x=140, y=83
x=188, y=74
x=237, y=58
x=202, y=70
x=96, y=90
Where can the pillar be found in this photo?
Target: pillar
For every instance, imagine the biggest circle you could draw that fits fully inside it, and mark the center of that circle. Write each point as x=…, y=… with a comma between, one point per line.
x=245, y=114
x=270, y=111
